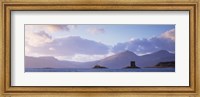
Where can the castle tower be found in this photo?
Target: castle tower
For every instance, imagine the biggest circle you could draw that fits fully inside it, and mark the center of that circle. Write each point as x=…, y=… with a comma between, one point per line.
x=133, y=64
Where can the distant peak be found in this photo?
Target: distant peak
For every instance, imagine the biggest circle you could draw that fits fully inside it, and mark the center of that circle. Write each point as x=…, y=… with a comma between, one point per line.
x=46, y=57
x=127, y=51
x=42, y=57
x=161, y=52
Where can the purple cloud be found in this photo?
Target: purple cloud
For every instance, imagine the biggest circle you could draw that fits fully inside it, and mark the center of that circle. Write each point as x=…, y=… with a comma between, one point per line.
x=166, y=41
x=70, y=46
x=52, y=28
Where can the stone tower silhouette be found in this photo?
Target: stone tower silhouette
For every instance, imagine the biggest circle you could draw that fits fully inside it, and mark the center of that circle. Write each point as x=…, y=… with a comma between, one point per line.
x=133, y=64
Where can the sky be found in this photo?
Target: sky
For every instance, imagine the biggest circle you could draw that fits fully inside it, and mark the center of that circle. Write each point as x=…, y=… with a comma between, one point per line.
x=89, y=42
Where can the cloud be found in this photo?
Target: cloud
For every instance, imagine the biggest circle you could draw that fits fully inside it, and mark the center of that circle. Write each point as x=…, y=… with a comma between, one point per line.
x=56, y=28
x=51, y=28
x=72, y=27
x=96, y=30
x=143, y=46
x=51, y=49
x=37, y=39
x=27, y=50
x=83, y=57
x=70, y=46
x=169, y=34
x=86, y=58
x=131, y=39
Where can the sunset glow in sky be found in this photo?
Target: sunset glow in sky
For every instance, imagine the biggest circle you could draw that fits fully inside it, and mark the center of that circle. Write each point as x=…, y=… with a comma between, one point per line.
x=92, y=42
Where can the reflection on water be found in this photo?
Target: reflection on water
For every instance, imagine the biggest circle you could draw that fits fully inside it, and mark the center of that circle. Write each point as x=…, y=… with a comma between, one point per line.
x=99, y=70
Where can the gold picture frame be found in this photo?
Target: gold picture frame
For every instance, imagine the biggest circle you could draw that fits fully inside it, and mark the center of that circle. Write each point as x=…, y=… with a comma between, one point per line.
x=120, y=5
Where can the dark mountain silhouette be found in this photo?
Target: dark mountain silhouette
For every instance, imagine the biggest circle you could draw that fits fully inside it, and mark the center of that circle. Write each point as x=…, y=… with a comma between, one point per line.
x=155, y=58
x=123, y=59
x=51, y=62
x=117, y=61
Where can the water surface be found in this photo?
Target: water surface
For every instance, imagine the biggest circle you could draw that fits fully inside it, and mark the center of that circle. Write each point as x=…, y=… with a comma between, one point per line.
x=99, y=70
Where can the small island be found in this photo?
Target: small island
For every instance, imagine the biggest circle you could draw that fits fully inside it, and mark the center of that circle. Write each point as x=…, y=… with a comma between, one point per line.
x=98, y=67
x=170, y=64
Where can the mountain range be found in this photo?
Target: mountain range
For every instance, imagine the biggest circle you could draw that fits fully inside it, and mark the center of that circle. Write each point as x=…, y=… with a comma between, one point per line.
x=117, y=61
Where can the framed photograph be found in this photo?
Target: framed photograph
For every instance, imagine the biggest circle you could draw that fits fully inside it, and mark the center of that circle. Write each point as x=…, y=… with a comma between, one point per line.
x=89, y=47
x=99, y=48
